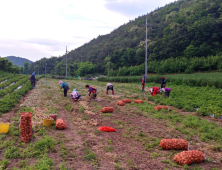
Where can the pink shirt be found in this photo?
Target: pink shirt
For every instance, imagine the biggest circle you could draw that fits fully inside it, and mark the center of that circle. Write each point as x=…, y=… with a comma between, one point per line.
x=75, y=94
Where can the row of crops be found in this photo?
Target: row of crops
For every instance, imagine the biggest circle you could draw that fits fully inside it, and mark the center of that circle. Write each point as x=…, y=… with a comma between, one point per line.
x=197, y=79
x=186, y=92
x=205, y=100
x=12, y=88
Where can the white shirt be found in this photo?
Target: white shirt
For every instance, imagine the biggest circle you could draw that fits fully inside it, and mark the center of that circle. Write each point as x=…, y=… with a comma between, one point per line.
x=108, y=84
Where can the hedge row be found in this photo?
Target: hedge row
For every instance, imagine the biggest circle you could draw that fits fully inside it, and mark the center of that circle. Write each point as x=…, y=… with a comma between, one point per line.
x=198, y=79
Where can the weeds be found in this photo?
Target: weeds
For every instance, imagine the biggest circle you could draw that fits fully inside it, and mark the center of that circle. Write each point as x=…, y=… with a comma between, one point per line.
x=154, y=155
x=109, y=148
x=63, y=166
x=90, y=156
x=45, y=163
x=44, y=144
x=82, y=109
x=117, y=166
x=4, y=163
x=97, y=132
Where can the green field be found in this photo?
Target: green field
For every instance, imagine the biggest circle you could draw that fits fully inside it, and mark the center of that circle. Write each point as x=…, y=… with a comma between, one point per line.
x=12, y=88
x=197, y=79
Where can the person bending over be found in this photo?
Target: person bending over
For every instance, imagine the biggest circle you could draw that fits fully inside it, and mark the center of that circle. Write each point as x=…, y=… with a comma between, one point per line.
x=109, y=86
x=154, y=90
x=91, y=92
x=166, y=91
x=64, y=86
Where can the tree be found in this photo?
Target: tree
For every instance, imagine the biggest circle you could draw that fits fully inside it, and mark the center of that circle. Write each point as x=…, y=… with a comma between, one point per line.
x=26, y=68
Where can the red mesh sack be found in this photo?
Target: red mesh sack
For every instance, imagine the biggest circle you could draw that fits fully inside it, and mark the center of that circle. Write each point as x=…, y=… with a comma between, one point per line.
x=126, y=100
x=60, y=124
x=26, y=127
x=121, y=103
x=107, y=109
x=178, y=144
x=138, y=101
x=189, y=157
x=160, y=107
x=106, y=129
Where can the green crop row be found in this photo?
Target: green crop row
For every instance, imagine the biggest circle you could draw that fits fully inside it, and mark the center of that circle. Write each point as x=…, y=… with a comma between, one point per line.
x=11, y=80
x=10, y=100
x=4, y=74
x=6, y=77
x=197, y=79
x=13, y=87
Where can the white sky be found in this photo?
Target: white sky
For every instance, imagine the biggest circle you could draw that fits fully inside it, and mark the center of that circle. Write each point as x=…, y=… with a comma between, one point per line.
x=34, y=29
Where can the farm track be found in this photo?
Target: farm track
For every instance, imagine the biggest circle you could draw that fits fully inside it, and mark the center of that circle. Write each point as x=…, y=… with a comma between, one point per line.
x=134, y=146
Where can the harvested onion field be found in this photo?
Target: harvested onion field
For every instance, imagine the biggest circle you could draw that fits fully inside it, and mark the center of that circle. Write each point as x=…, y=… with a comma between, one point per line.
x=134, y=145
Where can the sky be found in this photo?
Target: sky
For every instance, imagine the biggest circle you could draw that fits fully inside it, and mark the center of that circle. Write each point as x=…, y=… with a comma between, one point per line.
x=34, y=29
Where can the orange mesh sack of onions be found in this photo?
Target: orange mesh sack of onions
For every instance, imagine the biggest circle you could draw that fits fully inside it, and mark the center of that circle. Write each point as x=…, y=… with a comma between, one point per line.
x=189, y=157
x=107, y=109
x=177, y=144
x=138, y=101
x=121, y=103
x=160, y=107
x=126, y=100
x=60, y=124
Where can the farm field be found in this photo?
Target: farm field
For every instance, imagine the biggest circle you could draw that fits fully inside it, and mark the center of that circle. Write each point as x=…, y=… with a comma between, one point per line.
x=135, y=145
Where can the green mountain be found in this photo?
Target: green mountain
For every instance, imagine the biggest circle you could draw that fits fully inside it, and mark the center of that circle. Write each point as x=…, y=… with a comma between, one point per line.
x=18, y=60
x=181, y=33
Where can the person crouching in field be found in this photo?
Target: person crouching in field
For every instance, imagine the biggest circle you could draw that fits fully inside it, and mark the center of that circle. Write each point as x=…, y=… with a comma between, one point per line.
x=32, y=79
x=109, y=86
x=91, y=92
x=154, y=90
x=143, y=82
x=166, y=91
x=65, y=86
x=75, y=95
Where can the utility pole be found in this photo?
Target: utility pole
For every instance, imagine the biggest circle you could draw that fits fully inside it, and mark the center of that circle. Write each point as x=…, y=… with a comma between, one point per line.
x=146, y=48
x=38, y=70
x=45, y=69
x=81, y=57
x=108, y=64
x=66, y=61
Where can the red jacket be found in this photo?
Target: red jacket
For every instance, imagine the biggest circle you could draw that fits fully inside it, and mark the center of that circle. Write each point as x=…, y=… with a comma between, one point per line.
x=155, y=90
x=92, y=89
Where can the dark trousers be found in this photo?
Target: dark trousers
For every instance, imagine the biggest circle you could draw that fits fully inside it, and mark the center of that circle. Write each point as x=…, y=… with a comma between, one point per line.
x=65, y=92
x=143, y=85
x=167, y=93
x=109, y=88
x=77, y=97
x=33, y=84
x=162, y=86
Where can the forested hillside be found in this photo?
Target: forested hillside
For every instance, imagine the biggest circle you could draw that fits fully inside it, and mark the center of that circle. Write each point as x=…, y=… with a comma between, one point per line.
x=19, y=61
x=7, y=66
x=182, y=31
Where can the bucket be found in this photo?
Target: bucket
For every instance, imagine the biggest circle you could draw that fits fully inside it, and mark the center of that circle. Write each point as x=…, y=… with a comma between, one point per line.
x=4, y=127
x=24, y=113
x=53, y=116
x=47, y=122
